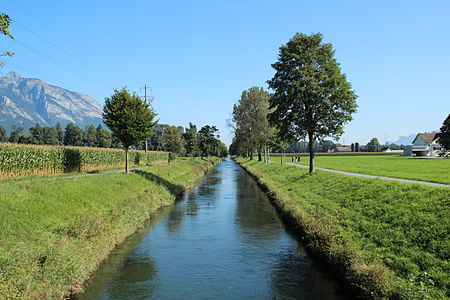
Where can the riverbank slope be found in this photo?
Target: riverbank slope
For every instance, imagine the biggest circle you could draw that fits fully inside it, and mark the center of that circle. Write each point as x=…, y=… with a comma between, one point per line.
x=386, y=239
x=55, y=231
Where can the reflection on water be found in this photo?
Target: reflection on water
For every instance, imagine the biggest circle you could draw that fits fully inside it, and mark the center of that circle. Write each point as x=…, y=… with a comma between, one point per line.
x=224, y=240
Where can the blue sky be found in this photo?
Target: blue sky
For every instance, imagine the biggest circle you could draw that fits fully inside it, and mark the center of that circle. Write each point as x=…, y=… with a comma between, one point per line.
x=198, y=56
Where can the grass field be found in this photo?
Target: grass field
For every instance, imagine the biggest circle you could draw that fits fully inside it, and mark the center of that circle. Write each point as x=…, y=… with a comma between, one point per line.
x=433, y=170
x=391, y=239
x=55, y=231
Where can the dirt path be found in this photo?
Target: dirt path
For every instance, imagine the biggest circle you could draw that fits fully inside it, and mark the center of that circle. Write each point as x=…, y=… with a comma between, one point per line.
x=374, y=176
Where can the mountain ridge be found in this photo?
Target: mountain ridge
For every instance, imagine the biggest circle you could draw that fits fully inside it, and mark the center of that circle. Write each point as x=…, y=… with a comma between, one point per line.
x=26, y=102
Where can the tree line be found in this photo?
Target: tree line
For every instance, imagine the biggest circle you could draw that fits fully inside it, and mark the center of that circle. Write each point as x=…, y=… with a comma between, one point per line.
x=182, y=141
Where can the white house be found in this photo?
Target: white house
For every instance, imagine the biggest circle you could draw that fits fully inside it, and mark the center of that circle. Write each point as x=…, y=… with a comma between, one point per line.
x=426, y=144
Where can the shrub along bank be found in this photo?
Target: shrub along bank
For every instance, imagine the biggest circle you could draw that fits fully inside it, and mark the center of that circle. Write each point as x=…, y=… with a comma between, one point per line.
x=387, y=239
x=55, y=231
x=18, y=160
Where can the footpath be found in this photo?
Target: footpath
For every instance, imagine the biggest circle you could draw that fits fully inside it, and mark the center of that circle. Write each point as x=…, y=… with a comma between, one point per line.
x=373, y=176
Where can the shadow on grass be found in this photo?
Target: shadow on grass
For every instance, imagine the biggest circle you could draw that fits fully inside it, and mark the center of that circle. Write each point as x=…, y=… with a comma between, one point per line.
x=174, y=189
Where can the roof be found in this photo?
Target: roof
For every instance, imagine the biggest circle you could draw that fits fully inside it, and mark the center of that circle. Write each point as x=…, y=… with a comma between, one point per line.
x=344, y=149
x=427, y=137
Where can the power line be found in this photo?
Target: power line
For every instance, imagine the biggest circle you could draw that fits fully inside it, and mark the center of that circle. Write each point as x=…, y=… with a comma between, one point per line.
x=57, y=62
x=59, y=48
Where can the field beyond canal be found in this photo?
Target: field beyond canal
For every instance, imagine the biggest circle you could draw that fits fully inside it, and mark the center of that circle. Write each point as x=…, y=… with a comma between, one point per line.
x=424, y=169
x=388, y=239
x=55, y=230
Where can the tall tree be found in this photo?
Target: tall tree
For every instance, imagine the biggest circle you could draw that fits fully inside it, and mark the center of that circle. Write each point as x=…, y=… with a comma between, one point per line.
x=311, y=97
x=191, y=140
x=5, y=21
x=129, y=118
x=37, y=135
x=173, y=140
x=373, y=145
x=250, y=121
x=207, y=136
x=73, y=135
x=90, y=136
x=16, y=133
x=103, y=137
x=3, y=135
x=444, y=135
x=59, y=133
x=49, y=136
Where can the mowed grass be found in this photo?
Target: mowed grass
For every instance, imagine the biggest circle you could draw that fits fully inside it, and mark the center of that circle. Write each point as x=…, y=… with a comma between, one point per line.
x=55, y=231
x=433, y=170
x=389, y=238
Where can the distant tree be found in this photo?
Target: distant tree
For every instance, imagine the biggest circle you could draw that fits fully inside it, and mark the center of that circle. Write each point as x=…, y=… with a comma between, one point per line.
x=90, y=136
x=3, y=135
x=36, y=134
x=311, y=97
x=173, y=140
x=103, y=137
x=207, y=137
x=5, y=21
x=59, y=134
x=249, y=121
x=73, y=135
x=49, y=136
x=129, y=118
x=444, y=135
x=16, y=133
x=25, y=139
x=156, y=141
x=373, y=145
x=191, y=140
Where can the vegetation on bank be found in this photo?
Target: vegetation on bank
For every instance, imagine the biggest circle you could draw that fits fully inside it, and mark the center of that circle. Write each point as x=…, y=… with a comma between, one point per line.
x=434, y=170
x=24, y=160
x=388, y=239
x=55, y=231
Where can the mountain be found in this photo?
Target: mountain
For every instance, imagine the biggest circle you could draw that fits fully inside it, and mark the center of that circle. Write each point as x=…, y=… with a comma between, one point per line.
x=27, y=101
x=407, y=140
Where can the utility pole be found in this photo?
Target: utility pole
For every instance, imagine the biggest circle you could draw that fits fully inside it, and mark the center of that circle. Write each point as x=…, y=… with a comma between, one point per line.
x=145, y=97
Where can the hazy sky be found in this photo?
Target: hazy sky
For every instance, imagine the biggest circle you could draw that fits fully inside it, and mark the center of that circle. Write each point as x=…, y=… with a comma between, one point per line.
x=198, y=56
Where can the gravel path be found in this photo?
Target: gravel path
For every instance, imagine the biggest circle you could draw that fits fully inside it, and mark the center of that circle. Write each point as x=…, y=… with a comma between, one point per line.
x=374, y=176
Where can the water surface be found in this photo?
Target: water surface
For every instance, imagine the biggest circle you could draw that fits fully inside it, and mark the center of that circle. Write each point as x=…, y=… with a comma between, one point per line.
x=223, y=240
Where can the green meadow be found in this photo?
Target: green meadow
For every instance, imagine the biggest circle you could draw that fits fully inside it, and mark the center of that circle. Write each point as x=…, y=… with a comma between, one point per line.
x=433, y=170
x=55, y=231
x=388, y=239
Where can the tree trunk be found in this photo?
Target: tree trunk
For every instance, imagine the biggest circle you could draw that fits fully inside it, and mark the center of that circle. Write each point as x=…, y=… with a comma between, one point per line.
x=126, y=161
x=282, y=154
x=311, y=152
x=259, y=155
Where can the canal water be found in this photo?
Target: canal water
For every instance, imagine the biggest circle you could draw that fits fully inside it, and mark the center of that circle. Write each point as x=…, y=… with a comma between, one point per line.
x=222, y=240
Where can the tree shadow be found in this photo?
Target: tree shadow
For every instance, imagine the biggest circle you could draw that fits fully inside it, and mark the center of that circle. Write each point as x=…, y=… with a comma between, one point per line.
x=175, y=189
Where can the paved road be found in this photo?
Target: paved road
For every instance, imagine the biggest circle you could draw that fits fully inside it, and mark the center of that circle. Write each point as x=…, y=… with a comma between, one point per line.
x=374, y=176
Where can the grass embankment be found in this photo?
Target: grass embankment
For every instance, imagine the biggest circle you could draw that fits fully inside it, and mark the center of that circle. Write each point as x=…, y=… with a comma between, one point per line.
x=433, y=170
x=388, y=239
x=54, y=232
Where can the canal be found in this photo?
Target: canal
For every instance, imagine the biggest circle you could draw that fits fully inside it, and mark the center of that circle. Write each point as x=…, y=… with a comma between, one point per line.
x=222, y=240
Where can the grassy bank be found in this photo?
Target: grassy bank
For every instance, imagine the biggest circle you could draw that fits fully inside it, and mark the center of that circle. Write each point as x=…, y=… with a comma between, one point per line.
x=55, y=231
x=387, y=239
x=434, y=170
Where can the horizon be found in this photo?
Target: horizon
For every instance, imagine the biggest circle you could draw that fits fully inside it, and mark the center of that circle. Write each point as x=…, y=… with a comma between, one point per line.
x=198, y=64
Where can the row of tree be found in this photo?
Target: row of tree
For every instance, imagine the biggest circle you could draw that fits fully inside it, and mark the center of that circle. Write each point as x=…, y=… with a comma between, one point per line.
x=189, y=141
x=72, y=136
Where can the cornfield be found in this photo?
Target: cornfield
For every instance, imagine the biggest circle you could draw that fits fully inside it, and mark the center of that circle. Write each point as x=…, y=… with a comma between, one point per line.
x=17, y=160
